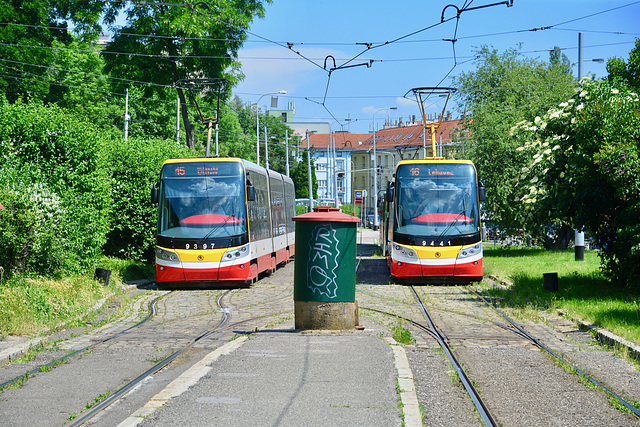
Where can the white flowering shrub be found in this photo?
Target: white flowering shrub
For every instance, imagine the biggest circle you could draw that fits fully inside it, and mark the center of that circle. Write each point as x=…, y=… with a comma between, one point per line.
x=30, y=226
x=584, y=171
x=55, y=174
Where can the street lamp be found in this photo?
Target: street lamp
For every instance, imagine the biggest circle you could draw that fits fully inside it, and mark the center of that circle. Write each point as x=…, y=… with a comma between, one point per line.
x=578, y=238
x=283, y=92
x=375, y=169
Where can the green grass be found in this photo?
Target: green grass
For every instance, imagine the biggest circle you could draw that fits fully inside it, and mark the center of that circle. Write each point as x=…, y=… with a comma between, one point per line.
x=30, y=304
x=401, y=334
x=583, y=291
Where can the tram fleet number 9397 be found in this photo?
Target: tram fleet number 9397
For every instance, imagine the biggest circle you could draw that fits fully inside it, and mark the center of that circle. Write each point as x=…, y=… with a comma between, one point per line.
x=221, y=219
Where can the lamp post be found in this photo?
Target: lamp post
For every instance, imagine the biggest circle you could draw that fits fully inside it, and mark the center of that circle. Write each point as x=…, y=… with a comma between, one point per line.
x=283, y=92
x=375, y=169
x=579, y=235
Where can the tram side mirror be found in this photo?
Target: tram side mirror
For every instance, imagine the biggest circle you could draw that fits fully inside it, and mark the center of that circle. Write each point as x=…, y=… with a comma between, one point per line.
x=155, y=191
x=251, y=193
x=390, y=194
x=483, y=192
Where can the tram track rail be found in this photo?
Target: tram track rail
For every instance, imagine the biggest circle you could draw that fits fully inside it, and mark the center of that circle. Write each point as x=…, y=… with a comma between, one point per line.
x=222, y=326
x=114, y=397
x=472, y=391
x=635, y=411
x=511, y=326
x=153, y=309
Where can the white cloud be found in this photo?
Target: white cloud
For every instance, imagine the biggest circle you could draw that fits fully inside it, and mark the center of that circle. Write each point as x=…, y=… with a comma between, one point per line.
x=406, y=102
x=274, y=68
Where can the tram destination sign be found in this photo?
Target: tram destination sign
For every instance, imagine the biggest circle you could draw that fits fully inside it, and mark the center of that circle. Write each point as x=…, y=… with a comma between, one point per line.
x=435, y=170
x=194, y=169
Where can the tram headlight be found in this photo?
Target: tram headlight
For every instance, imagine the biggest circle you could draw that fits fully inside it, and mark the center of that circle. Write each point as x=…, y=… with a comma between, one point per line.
x=236, y=253
x=470, y=251
x=402, y=253
x=166, y=255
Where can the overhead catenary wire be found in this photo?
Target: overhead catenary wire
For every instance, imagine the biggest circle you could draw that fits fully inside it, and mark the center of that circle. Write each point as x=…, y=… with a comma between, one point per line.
x=401, y=39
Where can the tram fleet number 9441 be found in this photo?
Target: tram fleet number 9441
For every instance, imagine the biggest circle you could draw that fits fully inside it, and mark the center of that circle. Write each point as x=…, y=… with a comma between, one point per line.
x=221, y=219
x=431, y=223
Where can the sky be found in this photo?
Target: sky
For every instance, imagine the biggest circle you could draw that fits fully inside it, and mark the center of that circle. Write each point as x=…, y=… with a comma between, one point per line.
x=410, y=47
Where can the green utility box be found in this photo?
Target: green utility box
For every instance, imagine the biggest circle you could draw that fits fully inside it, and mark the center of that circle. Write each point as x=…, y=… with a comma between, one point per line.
x=325, y=270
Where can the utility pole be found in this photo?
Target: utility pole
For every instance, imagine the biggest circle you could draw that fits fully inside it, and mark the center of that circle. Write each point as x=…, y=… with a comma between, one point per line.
x=217, y=134
x=126, y=116
x=286, y=149
x=579, y=235
x=266, y=148
x=178, y=120
x=309, y=173
x=335, y=172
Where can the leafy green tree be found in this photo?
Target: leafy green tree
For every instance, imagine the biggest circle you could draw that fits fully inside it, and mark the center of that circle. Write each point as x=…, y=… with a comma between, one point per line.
x=276, y=132
x=29, y=30
x=503, y=90
x=584, y=169
x=234, y=142
x=300, y=178
x=626, y=72
x=559, y=60
x=77, y=83
x=163, y=43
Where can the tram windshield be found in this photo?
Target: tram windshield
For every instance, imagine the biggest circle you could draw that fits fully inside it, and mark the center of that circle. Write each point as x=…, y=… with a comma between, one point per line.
x=436, y=200
x=202, y=200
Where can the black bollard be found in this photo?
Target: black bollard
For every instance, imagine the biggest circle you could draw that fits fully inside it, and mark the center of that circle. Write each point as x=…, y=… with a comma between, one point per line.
x=103, y=275
x=550, y=281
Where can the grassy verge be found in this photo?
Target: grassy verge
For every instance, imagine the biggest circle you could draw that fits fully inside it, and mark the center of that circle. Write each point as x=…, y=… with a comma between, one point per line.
x=29, y=305
x=583, y=291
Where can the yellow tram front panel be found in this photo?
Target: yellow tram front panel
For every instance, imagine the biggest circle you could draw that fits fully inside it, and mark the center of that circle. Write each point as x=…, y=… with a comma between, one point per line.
x=416, y=261
x=203, y=264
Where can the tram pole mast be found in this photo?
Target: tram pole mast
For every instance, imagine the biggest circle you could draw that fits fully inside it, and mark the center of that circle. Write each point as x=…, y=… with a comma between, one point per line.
x=579, y=235
x=309, y=174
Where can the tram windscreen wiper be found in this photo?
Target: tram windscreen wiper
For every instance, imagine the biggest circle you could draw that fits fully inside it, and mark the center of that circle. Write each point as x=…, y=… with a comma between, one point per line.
x=455, y=220
x=222, y=224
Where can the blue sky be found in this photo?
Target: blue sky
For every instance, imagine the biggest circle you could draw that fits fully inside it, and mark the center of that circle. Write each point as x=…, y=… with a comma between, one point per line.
x=322, y=28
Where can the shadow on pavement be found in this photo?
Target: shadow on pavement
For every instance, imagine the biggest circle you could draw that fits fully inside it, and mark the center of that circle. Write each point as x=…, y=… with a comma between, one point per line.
x=366, y=249
x=373, y=271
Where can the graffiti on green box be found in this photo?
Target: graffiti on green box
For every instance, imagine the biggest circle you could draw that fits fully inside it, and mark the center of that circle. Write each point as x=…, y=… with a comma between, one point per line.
x=323, y=261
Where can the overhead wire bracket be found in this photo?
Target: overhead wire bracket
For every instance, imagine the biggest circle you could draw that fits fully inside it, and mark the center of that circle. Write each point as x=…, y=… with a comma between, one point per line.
x=189, y=84
x=422, y=94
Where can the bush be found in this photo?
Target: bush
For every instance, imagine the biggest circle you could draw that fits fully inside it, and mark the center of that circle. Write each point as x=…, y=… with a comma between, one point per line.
x=60, y=157
x=135, y=165
x=352, y=210
x=584, y=171
x=28, y=230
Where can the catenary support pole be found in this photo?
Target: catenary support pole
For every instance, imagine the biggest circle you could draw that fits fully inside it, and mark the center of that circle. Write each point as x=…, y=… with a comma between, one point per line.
x=309, y=175
x=579, y=235
x=286, y=148
x=126, y=115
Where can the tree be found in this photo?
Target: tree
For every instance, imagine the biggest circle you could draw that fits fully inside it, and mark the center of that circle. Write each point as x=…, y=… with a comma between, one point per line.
x=29, y=30
x=584, y=169
x=300, y=178
x=559, y=60
x=503, y=90
x=162, y=43
x=276, y=132
x=626, y=72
